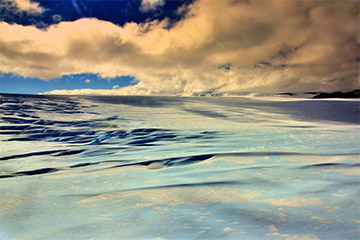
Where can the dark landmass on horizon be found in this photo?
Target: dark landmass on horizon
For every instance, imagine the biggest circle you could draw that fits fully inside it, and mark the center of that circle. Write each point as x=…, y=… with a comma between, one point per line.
x=352, y=94
x=320, y=95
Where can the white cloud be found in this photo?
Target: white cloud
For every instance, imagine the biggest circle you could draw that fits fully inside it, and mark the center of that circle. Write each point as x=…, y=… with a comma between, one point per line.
x=266, y=46
x=30, y=7
x=151, y=5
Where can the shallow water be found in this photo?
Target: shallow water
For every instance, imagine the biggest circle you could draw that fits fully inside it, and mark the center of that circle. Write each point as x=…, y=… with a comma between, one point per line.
x=131, y=167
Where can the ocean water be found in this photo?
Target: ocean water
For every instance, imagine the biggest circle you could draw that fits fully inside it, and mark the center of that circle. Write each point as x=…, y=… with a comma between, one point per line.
x=136, y=167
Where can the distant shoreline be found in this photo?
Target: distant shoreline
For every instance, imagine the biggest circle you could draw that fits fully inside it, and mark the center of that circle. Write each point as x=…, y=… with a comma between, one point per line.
x=355, y=94
x=321, y=95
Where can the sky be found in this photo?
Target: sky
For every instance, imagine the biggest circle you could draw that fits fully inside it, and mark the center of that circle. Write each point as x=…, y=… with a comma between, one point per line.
x=171, y=47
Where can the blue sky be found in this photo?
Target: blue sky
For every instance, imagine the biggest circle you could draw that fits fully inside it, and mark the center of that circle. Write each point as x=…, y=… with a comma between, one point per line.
x=10, y=83
x=178, y=47
x=117, y=12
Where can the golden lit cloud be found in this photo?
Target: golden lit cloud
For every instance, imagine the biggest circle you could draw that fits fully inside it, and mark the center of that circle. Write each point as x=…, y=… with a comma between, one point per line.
x=149, y=5
x=255, y=46
x=30, y=7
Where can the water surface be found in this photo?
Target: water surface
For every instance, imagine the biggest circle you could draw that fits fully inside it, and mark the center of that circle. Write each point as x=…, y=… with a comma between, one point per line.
x=134, y=167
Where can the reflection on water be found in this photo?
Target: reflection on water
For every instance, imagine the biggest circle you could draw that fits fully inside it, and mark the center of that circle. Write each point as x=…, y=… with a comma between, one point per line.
x=178, y=168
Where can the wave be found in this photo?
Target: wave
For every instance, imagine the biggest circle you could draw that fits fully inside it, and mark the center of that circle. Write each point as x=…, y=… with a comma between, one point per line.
x=169, y=162
x=222, y=165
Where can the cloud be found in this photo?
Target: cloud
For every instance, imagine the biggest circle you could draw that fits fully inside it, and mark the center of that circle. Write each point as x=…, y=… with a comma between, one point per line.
x=256, y=46
x=56, y=18
x=30, y=7
x=151, y=5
